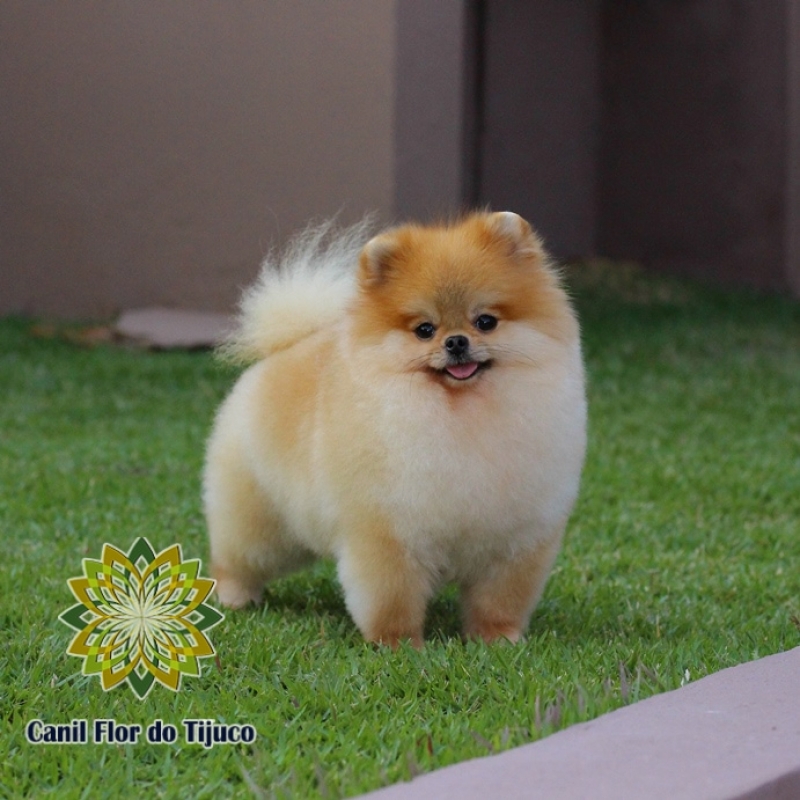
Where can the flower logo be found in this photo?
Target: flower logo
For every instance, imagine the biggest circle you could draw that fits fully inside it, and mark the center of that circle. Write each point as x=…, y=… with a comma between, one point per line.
x=141, y=617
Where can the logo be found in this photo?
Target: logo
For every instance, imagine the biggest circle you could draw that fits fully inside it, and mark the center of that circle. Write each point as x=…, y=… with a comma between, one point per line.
x=141, y=617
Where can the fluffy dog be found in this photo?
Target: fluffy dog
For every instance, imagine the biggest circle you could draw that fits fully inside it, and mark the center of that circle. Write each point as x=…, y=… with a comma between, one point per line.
x=416, y=411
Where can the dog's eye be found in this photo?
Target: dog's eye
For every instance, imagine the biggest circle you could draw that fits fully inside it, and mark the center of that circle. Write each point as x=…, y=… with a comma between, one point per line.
x=486, y=322
x=425, y=330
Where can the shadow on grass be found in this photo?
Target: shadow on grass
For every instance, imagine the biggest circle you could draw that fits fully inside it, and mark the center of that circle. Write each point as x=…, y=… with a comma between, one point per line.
x=316, y=594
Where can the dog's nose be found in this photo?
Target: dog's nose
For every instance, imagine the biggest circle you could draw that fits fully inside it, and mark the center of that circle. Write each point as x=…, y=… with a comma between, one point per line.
x=456, y=345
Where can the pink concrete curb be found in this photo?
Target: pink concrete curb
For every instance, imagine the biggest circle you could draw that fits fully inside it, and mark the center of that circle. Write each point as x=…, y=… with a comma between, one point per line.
x=730, y=736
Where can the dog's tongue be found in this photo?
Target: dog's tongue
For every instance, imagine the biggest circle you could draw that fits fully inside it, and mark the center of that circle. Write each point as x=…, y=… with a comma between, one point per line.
x=462, y=371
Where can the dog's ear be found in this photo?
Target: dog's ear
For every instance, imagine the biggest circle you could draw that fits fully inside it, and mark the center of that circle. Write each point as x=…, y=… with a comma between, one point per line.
x=516, y=232
x=378, y=258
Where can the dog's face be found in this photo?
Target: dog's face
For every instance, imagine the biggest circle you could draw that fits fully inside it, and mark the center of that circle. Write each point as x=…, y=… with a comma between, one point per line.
x=456, y=302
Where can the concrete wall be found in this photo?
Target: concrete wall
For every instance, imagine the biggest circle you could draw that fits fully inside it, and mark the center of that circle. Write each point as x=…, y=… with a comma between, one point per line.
x=693, y=159
x=150, y=151
x=435, y=108
x=541, y=117
x=792, y=176
x=666, y=132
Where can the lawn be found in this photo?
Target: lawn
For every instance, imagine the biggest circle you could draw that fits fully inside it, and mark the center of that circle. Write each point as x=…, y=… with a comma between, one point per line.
x=682, y=558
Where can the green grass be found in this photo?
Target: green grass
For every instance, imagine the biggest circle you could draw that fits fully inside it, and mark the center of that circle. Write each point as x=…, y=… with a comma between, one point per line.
x=682, y=557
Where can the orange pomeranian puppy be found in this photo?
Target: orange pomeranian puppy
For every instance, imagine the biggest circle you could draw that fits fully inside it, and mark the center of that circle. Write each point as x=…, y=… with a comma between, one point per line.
x=416, y=412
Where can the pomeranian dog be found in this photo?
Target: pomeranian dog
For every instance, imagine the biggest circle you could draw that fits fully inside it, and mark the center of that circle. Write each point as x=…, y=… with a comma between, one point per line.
x=416, y=411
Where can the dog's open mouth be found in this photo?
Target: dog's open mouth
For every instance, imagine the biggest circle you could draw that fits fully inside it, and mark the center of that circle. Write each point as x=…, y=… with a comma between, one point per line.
x=463, y=372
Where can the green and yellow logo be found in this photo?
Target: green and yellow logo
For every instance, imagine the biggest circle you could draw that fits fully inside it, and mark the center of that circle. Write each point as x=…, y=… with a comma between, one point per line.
x=141, y=617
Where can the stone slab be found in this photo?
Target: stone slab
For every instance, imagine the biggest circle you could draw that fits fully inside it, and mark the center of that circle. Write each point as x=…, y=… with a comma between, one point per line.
x=732, y=735
x=167, y=328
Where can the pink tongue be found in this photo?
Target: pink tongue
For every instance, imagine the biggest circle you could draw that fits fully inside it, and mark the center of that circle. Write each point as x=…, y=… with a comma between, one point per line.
x=462, y=371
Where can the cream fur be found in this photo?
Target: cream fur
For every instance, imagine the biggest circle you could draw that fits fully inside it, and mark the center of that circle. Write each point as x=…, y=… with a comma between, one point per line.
x=298, y=291
x=332, y=446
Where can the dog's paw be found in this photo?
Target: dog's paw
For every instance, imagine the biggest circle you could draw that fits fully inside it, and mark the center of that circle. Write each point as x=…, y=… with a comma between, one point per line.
x=234, y=593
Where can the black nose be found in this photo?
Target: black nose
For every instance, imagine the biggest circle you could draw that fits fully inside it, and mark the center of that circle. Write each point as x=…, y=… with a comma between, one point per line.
x=456, y=345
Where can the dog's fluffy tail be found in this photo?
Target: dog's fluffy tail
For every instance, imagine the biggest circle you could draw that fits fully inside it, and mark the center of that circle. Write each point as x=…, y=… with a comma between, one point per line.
x=299, y=291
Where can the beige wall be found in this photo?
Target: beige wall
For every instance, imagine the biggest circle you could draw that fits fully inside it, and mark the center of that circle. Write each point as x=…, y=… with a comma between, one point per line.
x=151, y=151
x=434, y=107
x=792, y=229
x=664, y=132
x=696, y=139
x=541, y=117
